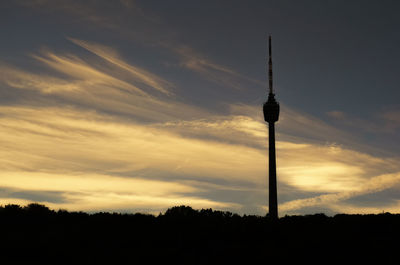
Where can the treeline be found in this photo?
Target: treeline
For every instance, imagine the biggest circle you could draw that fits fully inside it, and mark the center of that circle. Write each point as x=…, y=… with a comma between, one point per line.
x=182, y=235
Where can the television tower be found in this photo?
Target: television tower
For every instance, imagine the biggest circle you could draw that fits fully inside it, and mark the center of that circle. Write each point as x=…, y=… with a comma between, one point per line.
x=271, y=115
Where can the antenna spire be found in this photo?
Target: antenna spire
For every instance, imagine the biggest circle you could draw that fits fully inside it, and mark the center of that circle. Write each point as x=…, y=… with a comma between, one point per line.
x=270, y=66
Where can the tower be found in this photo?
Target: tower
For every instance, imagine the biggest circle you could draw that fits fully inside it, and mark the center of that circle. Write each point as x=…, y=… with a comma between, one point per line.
x=271, y=115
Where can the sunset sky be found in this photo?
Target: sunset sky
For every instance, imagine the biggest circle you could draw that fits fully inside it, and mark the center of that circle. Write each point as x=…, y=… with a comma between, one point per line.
x=137, y=106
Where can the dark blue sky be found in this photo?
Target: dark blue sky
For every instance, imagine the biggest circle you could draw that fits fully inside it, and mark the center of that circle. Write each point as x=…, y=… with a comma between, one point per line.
x=197, y=70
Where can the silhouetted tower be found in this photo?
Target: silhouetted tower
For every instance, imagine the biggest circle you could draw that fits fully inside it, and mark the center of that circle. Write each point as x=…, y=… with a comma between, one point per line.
x=271, y=115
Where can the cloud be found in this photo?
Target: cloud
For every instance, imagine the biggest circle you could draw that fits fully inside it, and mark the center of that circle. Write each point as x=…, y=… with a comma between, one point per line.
x=17, y=78
x=105, y=158
x=118, y=138
x=336, y=114
x=392, y=120
x=387, y=122
x=64, y=150
x=39, y=196
x=85, y=85
x=132, y=22
x=208, y=69
x=98, y=192
x=373, y=185
x=77, y=140
x=82, y=11
x=139, y=74
x=124, y=17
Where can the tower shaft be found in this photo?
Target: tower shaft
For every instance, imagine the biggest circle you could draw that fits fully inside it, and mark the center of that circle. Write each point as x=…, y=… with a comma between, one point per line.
x=273, y=192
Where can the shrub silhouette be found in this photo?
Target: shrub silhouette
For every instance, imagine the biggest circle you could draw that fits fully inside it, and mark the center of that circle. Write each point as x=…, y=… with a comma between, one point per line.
x=37, y=209
x=181, y=211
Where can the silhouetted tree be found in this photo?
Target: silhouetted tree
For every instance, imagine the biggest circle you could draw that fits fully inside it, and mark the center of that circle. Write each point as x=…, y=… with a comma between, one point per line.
x=182, y=235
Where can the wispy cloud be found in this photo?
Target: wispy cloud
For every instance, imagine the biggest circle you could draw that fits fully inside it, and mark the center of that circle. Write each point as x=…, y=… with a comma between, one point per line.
x=209, y=69
x=67, y=149
x=127, y=18
x=130, y=133
x=53, y=149
x=139, y=74
x=387, y=121
x=375, y=184
x=98, y=192
x=104, y=89
x=124, y=17
x=81, y=11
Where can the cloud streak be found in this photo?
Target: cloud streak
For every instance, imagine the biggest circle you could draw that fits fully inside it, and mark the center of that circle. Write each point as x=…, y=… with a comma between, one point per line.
x=118, y=138
x=212, y=71
x=373, y=185
x=73, y=148
x=101, y=89
x=139, y=74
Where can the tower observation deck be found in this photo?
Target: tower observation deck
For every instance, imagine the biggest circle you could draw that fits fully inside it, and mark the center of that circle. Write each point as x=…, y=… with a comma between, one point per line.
x=271, y=115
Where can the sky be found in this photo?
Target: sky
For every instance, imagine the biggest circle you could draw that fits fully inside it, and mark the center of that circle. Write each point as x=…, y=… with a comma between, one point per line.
x=138, y=106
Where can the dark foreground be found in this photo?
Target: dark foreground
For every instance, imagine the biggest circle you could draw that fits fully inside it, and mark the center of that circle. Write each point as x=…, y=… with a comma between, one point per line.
x=37, y=235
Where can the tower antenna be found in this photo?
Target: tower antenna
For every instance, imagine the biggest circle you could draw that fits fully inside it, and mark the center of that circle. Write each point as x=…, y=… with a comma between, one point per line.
x=270, y=66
